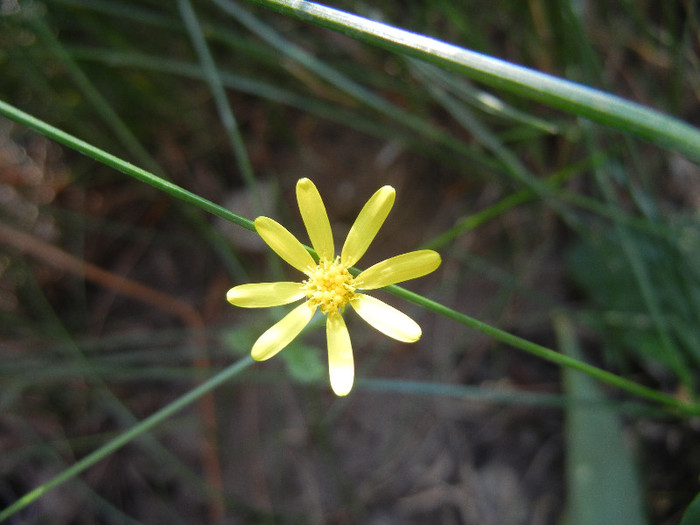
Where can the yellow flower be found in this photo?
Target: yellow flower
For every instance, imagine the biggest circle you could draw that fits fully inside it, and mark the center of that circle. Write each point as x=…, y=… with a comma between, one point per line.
x=329, y=286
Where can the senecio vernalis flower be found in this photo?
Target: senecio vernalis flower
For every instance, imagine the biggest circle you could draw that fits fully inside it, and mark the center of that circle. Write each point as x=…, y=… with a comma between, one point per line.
x=329, y=286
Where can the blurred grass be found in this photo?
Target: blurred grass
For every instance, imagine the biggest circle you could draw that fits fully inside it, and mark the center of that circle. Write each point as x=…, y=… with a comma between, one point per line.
x=530, y=209
x=602, y=481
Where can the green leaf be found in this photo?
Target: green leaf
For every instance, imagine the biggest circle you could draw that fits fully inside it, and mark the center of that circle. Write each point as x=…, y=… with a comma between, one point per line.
x=304, y=363
x=601, y=474
x=692, y=514
x=623, y=314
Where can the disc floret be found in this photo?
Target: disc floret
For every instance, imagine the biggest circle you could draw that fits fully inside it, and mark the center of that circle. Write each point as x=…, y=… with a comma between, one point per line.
x=329, y=287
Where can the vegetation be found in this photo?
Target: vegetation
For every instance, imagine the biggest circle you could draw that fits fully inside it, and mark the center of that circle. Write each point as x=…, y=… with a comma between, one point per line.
x=545, y=150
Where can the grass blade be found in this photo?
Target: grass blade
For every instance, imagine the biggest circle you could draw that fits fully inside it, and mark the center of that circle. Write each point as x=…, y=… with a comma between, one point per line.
x=601, y=475
x=568, y=96
x=692, y=514
x=228, y=119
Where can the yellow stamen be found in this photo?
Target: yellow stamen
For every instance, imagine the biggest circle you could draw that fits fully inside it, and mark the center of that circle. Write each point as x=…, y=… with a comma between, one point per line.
x=329, y=286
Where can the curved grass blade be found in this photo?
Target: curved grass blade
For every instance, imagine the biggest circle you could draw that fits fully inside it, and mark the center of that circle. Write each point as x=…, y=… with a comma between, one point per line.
x=565, y=95
x=349, y=86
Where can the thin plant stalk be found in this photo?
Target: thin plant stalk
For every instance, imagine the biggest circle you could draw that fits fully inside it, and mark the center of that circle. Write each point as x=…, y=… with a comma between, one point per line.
x=128, y=436
x=546, y=353
x=216, y=86
x=118, y=164
x=500, y=335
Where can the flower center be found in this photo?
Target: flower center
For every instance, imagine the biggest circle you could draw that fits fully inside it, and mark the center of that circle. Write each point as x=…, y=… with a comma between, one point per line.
x=329, y=286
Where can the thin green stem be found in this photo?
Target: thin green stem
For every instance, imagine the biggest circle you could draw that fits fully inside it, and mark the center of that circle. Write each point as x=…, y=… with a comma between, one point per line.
x=79, y=365
x=118, y=164
x=213, y=78
x=500, y=335
x=578, y=99
x=124, y=135
x=108, y=115
x=546, y=353
x=128, y=436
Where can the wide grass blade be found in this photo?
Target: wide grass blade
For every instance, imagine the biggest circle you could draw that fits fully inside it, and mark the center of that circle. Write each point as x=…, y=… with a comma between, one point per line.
x=692, y=514
x=602, y=480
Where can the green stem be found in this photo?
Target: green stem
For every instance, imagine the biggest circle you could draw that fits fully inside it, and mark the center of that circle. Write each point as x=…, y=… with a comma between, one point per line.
x=500, y=335
x=102, y=156
x=128, y=436
x=93, y=96
x=546, y=353
x=578, y=99
x=216, y=86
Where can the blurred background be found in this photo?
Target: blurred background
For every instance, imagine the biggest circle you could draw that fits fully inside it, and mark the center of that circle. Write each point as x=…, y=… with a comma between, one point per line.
x=112, y=294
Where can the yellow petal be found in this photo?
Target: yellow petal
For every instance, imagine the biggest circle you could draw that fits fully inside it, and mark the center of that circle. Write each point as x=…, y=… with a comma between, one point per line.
x=313, y=212
x=386, y=319
x=367, y=225
x=284, y=243
x=398, y=269
x=282, y=333
x=262, y=295
x=340, y=362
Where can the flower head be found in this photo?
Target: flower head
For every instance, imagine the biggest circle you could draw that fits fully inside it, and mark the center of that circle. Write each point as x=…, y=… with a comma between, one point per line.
x=329, y=287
